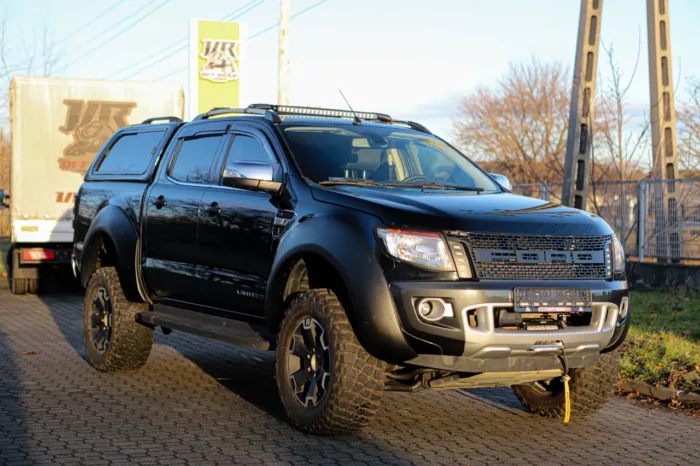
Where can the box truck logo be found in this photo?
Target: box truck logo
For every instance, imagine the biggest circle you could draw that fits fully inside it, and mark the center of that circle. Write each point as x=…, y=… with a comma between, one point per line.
x=222, y=58
x=91, y=123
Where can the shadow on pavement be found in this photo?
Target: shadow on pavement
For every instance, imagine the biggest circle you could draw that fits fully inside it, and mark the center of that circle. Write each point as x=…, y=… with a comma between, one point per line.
x=247, y=373
x=14, y=442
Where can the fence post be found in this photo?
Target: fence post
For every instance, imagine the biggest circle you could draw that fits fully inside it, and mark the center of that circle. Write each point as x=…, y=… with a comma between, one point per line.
x=544, y=191
x=642, y=215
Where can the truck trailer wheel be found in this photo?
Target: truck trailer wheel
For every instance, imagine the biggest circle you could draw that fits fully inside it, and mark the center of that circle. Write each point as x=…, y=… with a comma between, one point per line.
x=590, y=389
x=327, y=382
x=19, y=285
x=33, y=285
x=113, y=338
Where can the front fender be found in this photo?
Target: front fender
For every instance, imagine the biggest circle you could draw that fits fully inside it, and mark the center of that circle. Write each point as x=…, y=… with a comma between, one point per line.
x=346, y=243
x=112, y=223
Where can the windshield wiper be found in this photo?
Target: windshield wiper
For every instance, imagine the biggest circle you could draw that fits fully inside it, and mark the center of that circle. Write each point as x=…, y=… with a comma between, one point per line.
x=349, y=181
x=431, y=185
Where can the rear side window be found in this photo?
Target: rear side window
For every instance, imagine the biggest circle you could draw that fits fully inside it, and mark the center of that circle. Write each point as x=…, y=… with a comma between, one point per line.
x=195, y=158
x=131, y=154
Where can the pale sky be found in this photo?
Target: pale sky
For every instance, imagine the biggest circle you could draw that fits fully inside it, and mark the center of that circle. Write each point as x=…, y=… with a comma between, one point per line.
x=411, y=59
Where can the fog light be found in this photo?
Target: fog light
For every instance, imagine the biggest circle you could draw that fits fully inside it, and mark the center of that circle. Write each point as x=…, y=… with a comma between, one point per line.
x=434, y=309
x=624, y=306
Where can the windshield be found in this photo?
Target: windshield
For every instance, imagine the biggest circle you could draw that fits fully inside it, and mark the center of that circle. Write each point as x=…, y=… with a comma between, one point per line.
x=374, y=155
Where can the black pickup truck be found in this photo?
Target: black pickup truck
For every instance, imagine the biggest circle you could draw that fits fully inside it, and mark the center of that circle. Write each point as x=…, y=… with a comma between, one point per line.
x=369, y=254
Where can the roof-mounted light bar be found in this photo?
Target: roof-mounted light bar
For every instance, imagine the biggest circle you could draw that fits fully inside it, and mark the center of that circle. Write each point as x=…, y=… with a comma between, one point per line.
x=273, y=112
x=322, y=112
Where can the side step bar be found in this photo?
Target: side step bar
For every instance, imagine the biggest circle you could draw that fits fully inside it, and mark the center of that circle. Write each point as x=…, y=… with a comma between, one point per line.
x=206, y=325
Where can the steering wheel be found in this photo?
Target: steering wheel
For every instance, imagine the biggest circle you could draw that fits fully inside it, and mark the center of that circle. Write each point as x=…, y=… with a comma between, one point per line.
x=415, y=178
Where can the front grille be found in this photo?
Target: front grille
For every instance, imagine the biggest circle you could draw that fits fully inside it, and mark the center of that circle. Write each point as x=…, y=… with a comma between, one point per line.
x=530, y=257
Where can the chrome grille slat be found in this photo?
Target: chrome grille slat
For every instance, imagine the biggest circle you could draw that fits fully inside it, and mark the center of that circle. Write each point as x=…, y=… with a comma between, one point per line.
x=536, y=271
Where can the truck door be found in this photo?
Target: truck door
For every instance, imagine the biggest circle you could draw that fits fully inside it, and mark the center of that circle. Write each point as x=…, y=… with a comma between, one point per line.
x=235, y=233
x=172, y=211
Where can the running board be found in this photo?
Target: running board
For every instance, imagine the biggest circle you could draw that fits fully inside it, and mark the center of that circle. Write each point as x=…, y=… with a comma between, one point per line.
x=206, y=325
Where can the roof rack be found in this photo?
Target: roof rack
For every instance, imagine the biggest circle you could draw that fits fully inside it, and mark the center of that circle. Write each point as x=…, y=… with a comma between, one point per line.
x=169, y=119
x=269, y=115
x=413, y=125
x=273, y=112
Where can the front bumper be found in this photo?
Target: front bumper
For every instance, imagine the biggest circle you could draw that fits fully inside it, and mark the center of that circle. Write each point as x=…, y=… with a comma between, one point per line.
x=457, y=345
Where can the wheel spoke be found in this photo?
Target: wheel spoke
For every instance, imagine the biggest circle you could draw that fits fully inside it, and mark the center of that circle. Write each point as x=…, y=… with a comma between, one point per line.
x=311, y=393
x=324, y=378
x=298, y=348
x=100, y=303
x=320, y=344
x=308, y=334
x=299, y=380
x=100, y=339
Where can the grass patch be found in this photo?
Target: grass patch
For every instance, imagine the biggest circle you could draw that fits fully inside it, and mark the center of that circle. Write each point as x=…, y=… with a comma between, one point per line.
x=663, y=346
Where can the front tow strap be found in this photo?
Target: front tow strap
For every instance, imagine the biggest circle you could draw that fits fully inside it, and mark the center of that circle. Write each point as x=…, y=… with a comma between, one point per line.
x=565, y=378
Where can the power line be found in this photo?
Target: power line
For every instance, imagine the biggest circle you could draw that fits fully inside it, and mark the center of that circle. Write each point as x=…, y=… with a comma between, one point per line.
x=276, y=25
x=182, y=44
x=262, y=31
x=90, y=22
x=79, y=29
x=113, y=26
x=118, y=33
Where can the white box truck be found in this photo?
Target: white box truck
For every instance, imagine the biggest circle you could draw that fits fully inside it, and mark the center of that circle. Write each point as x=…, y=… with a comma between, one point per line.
x=57, y=127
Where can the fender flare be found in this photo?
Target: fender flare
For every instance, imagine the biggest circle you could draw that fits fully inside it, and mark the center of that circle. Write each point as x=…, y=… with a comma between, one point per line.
x=373, y=314
x=113, y=223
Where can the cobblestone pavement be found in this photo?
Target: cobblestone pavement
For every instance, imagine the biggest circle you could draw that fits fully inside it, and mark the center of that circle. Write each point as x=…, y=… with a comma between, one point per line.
x=200, y=401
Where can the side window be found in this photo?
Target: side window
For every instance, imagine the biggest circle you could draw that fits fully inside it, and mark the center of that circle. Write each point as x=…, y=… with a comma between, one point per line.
x=246, y=149
x=131, y=154
x=194, y=159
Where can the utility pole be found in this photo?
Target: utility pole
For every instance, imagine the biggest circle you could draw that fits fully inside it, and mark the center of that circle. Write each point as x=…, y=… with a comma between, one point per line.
x=579, y=140
x=283, y=71
x=663, y=129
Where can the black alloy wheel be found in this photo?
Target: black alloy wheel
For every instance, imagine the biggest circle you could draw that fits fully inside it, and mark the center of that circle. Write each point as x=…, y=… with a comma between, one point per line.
x=309, y=363
x=101, y=320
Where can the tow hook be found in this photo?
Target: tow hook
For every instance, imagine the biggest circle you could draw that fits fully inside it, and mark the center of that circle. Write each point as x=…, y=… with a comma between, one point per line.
x=565, y=378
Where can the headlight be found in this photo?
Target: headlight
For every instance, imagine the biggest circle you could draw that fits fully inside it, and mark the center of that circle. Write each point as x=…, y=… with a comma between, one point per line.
x=618, y=255
x=423, y=249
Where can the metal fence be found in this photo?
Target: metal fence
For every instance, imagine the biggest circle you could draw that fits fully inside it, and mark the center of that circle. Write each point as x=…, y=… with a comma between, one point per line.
x=657, y=219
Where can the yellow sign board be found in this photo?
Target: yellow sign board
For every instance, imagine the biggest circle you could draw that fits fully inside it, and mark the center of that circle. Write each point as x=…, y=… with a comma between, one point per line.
x=216, y=48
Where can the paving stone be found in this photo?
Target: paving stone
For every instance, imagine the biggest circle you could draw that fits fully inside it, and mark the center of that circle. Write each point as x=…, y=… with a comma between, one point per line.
x=199, y=401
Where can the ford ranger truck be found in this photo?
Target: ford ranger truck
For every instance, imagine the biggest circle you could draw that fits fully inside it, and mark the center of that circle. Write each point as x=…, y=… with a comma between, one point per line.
x=367, y=253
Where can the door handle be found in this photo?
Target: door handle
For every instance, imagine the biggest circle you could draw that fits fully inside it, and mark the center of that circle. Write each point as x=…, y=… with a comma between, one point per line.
x=160, y=202
x=214, y=209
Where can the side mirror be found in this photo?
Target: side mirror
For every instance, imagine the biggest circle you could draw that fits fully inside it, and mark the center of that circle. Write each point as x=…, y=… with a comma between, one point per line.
x=253, y=176
x=3, y=196
x=502, y=180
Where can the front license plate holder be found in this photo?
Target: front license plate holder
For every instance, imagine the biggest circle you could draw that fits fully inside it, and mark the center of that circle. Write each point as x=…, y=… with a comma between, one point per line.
x=552, y=300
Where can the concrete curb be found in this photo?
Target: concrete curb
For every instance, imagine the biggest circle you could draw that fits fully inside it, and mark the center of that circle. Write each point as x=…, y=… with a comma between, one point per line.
x=660, y=393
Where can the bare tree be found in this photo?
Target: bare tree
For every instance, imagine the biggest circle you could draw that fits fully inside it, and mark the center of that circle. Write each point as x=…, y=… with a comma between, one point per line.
x=688, y=116
x=519, y=126
x=39, y=58
x=622, y=151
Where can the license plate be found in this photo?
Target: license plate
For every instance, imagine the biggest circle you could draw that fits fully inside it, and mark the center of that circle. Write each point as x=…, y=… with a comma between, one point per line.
x=552, y=300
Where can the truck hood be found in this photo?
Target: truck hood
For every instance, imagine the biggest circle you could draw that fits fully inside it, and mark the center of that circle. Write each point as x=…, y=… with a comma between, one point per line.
x=464, y=210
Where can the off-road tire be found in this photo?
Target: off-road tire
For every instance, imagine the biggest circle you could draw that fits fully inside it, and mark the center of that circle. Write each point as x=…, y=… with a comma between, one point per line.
x=590, y=389
x=33, y=285
x=356, y=378
x=130, y=342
